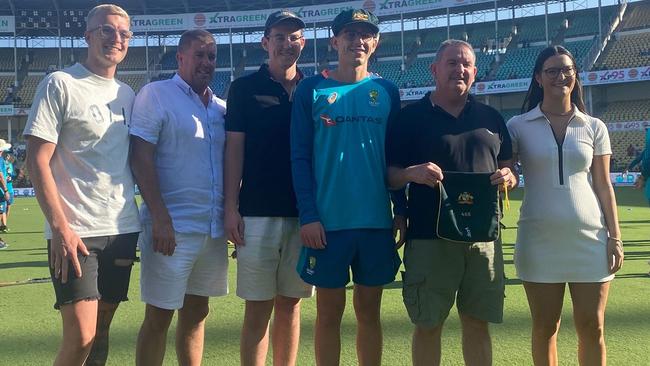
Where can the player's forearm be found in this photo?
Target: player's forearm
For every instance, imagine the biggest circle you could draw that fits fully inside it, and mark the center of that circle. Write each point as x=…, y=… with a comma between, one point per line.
x=398, y=177
x=146, y=177
x=233, y=170
x=45, y=188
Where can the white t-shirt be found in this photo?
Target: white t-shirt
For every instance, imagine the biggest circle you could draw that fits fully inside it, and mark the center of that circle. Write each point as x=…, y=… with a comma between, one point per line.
x=87, y=117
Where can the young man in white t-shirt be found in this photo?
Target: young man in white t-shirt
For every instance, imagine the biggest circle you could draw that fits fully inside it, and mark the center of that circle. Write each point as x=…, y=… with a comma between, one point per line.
x=77, y=156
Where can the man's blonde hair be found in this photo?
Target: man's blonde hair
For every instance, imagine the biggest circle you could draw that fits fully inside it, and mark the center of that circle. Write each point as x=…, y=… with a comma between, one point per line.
x=105, y=9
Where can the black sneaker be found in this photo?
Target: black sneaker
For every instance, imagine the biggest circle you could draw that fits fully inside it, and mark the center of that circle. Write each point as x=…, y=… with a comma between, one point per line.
x=3, y=245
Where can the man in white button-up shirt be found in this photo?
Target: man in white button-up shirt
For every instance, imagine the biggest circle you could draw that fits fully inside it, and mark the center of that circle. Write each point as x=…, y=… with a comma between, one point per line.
x=177, y=159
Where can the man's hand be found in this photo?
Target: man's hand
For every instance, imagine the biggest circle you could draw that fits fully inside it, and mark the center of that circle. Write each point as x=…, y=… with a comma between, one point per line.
x=7, y=197
x=501, y=176
x=313, y=235
x=640, y=182
x=399, y=225
x=63, y=251
x=164, y=239
x=234, y=226
x=428, y=174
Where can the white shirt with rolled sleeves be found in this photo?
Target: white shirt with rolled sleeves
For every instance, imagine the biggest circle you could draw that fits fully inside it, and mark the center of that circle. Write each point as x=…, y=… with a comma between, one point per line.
x=189, y=139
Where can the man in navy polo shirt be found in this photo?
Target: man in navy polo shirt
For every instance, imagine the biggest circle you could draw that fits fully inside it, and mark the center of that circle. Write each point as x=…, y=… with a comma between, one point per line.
x=260, y=205
x=448, y=130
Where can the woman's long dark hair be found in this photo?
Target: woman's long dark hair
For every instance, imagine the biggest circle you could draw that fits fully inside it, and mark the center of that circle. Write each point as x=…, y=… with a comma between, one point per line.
x=535, y=93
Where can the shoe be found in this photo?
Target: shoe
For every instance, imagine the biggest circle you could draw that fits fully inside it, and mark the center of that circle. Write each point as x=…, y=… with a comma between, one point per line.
x=3, y=229
x=3, y=245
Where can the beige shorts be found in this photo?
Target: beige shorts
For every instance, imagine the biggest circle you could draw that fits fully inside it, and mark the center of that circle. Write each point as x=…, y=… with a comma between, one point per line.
x=199, y=266
x=266, y=264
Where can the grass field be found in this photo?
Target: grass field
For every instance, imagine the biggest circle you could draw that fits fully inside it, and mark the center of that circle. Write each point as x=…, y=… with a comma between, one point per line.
x=30, y=328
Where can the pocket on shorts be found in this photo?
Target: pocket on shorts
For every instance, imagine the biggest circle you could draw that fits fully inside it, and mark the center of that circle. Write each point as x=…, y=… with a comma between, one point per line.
x=411, y=285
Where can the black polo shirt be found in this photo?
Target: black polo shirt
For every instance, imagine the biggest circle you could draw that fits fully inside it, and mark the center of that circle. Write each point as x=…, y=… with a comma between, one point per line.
x=473, y=142
x=260, y=107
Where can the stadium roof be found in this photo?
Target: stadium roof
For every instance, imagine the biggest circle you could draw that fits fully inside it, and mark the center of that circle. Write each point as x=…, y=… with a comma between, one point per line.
x=27, y=11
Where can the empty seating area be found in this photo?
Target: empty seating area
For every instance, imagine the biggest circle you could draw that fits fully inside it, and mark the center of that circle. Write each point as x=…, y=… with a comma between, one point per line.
x=28, y=88
x=637, y=16
x=631, y=50
x=635, y=110
x=134, y=81
x=518, y=63
x=5, y=83
x=620, y=141
x=585, y=22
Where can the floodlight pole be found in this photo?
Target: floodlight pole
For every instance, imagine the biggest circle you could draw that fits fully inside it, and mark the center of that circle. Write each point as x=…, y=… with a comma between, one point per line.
x=496, y=25
x=448, y=24
x=546, y=21
x=232, y=70
x=146, y=54
x=600, y=22
x=401, y=22
x=315, y=52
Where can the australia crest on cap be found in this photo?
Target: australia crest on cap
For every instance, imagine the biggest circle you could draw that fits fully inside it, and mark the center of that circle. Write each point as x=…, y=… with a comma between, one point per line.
x=359, y=15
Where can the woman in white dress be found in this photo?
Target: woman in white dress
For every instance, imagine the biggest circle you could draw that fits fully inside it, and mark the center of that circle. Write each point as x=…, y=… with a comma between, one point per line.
x=568, y=227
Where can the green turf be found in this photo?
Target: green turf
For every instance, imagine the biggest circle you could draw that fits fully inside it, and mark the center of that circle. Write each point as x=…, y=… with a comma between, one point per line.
x=30, y=328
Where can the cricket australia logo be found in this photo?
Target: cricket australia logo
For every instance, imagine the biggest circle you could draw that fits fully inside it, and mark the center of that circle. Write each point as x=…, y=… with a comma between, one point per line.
x=465, y=198
x=332, y=98
x=359, y=16
x=373, y=96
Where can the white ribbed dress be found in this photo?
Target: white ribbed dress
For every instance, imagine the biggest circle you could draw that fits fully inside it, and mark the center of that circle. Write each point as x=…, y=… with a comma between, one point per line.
x=562, y=235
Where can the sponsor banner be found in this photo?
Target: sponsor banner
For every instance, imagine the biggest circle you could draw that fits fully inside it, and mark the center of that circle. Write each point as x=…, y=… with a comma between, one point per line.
x=616, y=76
x=6, y=110
x=7, y=24
x=310, y=14
x=500, y=86
x=414, y=93
x=521, y=85
x=627, y=126
x=24, y=192
x=619, y=179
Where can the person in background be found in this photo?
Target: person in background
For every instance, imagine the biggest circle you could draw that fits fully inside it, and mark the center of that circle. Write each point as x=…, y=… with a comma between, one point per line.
x=10, y=175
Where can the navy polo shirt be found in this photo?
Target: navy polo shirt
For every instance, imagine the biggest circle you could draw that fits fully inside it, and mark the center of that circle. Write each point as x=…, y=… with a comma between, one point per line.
x=474, y=142
x=261, y=108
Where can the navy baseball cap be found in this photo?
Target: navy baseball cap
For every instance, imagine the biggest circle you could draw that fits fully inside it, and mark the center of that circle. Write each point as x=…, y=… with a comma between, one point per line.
x=282, y=16
x=354, y=16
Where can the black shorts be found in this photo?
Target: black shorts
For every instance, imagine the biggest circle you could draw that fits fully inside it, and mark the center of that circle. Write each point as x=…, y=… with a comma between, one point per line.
x=100, y=277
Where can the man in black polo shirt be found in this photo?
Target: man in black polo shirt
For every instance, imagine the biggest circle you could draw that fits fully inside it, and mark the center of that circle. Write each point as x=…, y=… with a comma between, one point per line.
x=448, y=130
x=261, y=214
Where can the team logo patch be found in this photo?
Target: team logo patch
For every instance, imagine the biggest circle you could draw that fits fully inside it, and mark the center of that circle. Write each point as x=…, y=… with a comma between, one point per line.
x=465, y=198
x=332, y=98
x=359, y=16
x=312, y=265
x=327, y=121
x=373, y=96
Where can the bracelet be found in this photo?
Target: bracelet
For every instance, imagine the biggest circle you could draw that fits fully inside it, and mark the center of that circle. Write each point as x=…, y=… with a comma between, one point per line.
x=618, y=241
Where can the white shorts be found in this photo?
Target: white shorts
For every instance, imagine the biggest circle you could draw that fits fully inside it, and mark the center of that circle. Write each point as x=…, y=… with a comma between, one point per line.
x=199, y=266
x=266, y=264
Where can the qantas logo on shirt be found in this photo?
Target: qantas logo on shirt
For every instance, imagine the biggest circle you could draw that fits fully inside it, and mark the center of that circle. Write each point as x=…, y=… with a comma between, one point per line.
x=329, y=121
